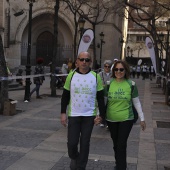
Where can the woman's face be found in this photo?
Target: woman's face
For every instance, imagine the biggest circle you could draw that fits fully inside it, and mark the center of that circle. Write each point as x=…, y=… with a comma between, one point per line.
x=119, y=71
x=107, y=68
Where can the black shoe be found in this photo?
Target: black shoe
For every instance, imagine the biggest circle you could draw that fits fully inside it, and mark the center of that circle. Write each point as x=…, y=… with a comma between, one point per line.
x=73, y=164
x=39, y=97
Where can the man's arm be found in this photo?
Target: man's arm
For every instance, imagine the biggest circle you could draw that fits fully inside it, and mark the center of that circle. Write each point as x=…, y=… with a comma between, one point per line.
x=101, y=104
x=64, y=102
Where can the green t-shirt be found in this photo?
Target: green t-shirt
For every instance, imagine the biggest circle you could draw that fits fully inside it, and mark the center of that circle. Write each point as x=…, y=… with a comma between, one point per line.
x=119, y=104
x=83, y=89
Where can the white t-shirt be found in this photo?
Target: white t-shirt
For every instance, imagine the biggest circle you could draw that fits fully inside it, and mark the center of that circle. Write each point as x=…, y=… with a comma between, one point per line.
x=83, y=90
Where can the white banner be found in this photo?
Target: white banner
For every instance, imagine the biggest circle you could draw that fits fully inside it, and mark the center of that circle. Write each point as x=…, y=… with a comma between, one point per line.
x=85, y=41
x=150, y=47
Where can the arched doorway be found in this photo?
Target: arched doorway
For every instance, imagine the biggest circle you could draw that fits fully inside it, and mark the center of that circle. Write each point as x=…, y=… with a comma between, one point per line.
x=44, y=47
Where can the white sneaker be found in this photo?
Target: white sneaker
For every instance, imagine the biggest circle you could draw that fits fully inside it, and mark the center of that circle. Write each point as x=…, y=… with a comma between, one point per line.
x=101, y=125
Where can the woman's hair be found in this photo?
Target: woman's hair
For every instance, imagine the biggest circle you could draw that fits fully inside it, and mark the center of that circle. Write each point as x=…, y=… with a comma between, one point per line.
x=126, y=67
x=40, y=60
x=109, y=62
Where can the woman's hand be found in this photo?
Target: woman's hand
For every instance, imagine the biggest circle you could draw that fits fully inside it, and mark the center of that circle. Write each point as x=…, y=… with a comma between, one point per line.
x=97, y=120
x=143, y=125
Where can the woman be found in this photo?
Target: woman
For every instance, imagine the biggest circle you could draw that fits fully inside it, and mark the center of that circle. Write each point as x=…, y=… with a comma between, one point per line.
x=106, y=76
x=119, y=114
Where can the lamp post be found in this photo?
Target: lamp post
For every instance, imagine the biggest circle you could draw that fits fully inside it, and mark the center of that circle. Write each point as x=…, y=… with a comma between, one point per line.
x=167, y=46
x=121, y=43
x=167, y=64
x=131, y=51
x=81, y=23
x=161, y=37
x=101, y=44
x=128, y=50
x=28, y=66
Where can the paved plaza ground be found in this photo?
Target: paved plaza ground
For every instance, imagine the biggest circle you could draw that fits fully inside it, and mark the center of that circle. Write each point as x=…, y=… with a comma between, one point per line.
x=34, y=139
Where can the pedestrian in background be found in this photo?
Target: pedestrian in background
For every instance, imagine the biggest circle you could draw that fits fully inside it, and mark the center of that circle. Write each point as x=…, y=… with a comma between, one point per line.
x=119, y=113
x=144, y=71
x=38, y=81
x=20, y=80
x=151, y=72
x=138, y=70
x=106, y=76
x=134, y=71
x=69, y=65
x=114, y=61
x=81, y=90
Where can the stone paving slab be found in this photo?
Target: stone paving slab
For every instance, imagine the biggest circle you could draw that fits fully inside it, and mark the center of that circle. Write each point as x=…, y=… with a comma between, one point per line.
x=63, y=164
x=37, y=124
x=8, y=158
x=20, y=138
x=162, y=134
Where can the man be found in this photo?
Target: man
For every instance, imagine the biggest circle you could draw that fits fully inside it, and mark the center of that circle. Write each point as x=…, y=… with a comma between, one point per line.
x=81, y=89
x=114, y=61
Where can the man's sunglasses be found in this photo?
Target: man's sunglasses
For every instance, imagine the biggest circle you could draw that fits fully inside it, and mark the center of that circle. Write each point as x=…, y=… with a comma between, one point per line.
x=119, y=69
x=107, y=66
x=84, y=59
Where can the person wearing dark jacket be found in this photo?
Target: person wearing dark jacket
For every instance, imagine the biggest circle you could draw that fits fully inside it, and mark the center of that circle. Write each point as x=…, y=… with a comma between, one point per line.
x=81, y=90
x=38, y=81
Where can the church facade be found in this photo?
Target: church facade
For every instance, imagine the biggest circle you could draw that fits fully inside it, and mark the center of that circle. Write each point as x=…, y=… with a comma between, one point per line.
x=14, y=17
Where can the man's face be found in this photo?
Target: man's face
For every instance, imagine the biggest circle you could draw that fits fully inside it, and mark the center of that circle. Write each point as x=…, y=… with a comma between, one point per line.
x=84, y=60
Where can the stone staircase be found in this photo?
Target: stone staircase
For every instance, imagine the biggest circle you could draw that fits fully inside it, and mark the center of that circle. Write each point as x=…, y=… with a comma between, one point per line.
x=13, y=85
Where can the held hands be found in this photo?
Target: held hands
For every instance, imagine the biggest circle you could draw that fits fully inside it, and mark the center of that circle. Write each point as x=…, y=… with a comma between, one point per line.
x=63, y=119
x=97, y=120
x=143, y=125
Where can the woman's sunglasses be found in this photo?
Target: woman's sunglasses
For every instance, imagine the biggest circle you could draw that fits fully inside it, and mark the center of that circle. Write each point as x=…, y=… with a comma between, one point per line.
x=84, y=59
x=119, y=69
x=107, y=66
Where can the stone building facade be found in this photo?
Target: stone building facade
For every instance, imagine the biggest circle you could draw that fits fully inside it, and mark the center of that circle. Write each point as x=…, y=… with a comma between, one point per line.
x=14, y=31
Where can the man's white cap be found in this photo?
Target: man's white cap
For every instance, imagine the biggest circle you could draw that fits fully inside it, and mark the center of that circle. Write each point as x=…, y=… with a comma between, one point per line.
x=115, y=59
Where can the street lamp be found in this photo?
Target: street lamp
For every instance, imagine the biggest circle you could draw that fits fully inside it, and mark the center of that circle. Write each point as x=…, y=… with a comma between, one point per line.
x=167, y=65
x=167, y=45
x=128, y=50
x=121, y=43
x=28, y=66
x=101, y=44
x=131, y=51
x=81, y=23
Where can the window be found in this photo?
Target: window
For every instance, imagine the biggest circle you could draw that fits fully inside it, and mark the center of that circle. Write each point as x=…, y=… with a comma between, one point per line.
x=140, y=38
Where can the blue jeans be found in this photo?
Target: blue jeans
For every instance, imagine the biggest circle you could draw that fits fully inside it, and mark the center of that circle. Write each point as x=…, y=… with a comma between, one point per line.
x=37, y=89
x=119, y=132
x=79, y=128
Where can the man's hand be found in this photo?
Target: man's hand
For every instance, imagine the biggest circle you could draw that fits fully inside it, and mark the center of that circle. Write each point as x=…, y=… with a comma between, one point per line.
x=97, y=120
x=143, y=125
x=63, y=119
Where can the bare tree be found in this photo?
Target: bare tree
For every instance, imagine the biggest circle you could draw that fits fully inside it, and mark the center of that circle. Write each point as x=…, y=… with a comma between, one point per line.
x=95, y=12
x=74, y=6
x=145, y=13
x=3, y=83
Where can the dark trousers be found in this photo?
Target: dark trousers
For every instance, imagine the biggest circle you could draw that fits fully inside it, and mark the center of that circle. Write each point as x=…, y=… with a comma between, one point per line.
x=138, y=74
x=37, y=89
x=119, y=132
x=144, y=75
x=79, y=129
